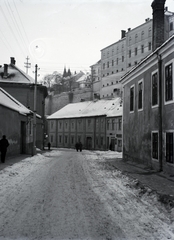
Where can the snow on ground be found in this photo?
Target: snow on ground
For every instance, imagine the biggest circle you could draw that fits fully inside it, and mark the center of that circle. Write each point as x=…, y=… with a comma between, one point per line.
x=100, y=190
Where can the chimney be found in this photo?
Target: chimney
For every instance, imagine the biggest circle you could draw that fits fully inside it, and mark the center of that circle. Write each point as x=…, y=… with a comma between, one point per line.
x=13, y=61
x=123, y=33
x=5, y=71
x=158, y=23
x=129, y=29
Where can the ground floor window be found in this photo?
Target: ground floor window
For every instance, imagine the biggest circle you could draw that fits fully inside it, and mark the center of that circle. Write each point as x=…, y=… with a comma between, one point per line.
x=169, y=147
x=101, y=139
x=155, y=145
x=119, y=143
x=60, y=139
x=66, y=139
x=72, y=139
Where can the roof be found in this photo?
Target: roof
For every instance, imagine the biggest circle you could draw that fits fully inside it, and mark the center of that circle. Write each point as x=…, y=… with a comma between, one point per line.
x=108, y=108
x=8, y=101
x=15, y=75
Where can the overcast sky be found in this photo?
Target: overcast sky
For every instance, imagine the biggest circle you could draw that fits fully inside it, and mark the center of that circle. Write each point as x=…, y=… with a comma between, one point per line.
x=71, y=33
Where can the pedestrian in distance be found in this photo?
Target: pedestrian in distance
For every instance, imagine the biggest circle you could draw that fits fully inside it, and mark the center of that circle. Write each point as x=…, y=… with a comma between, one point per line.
x=49, y=145
x=80, y=146
x=3, y=148
x=77, y=147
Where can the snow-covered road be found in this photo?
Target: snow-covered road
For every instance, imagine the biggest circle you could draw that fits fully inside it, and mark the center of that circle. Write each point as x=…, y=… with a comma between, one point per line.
x=72, y=195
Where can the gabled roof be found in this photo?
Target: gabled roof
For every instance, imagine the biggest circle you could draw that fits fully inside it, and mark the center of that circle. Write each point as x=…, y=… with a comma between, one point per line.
x=15, y=75
x=10, y=102
x=89, y=109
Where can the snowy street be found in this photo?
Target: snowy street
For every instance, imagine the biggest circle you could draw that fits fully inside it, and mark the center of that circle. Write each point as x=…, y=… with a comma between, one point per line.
x=64, y=194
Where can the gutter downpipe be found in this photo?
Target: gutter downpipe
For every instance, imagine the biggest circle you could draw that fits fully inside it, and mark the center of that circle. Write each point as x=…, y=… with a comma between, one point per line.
x=160, y=112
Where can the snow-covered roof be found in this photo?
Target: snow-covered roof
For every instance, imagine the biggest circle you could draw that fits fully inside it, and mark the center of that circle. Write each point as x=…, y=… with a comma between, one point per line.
x=108, y=108
x=83, y=77
x=15, y=75
x=8, y=101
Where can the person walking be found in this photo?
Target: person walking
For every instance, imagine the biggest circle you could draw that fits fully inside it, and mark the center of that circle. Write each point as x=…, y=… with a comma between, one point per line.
x=49, y=145
x=80, y=146
x=3, y=148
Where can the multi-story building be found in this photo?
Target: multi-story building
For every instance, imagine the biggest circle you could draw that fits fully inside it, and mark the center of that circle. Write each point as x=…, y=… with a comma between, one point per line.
x=96, y=79
x=21, y=86
x=119, y=57
x=97, y=124
x=148, y=117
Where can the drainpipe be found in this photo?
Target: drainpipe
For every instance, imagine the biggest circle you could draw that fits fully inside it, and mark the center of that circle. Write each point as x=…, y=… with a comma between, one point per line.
x=160, y=113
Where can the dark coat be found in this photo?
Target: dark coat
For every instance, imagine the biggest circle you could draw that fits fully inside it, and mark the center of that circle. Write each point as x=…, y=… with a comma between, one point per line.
x=4, y=144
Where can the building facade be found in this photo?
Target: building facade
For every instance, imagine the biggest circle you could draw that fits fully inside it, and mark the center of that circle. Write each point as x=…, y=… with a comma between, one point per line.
x=16, y=124
x=148, y=125
x=86, y=123
x=135, y=44
x=21, y=87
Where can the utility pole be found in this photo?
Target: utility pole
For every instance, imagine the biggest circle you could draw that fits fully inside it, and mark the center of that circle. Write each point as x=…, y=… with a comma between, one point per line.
x=28, y=65
x=34, y=113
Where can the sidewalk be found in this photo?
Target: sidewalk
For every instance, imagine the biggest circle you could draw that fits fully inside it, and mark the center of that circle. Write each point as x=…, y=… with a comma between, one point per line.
x=162, y=184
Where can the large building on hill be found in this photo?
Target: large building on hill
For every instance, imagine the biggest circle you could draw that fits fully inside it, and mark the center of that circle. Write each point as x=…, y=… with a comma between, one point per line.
x=118, y=58
x=97, y=124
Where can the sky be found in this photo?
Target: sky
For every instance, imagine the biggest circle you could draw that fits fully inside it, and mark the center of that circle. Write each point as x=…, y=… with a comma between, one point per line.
x=65, y=33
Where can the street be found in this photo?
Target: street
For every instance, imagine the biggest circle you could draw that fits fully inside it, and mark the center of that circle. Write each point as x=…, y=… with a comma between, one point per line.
x=64, y=194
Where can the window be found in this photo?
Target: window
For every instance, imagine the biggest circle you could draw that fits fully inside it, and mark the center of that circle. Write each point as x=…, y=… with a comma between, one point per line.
x=130, y=41
x=154, y=89
x=168, y=83
x=171, y=26
x=136, y=38
x=142, y=35
x=136, y=51
x=155, y=145
x=66, y=125
x=113, y=124
x=103, y=65
x=96, y=140
x=66, y=139
x=72, y=139
x=101, y=141
x=122, y=58
x=51, y=138
x=119, y=123
x=132, y=99
x=117, y=61
x=60, y=139
x=89, y=122
x=107, y=64
x=150, y=32
x=142, y=48
x=140, y=95
x=52, y=125
x=107, y=124
x=60, y=124
x=169, y=147
x=149, y=46
x=129, y=53
x=112, y=62
x=72, y=125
